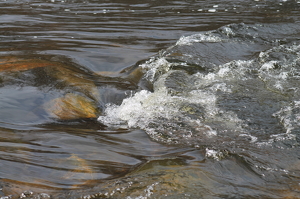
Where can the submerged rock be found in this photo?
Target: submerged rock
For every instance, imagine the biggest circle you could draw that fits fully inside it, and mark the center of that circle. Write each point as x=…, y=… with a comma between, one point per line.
x=165, y=178
x=68, y=77
x=72, y=106
x=15, y=64
x=59, y=89
x=62, y=91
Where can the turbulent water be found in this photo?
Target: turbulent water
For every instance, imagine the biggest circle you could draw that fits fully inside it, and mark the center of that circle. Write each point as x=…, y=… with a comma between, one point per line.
x=173, y=99
x=244, y=104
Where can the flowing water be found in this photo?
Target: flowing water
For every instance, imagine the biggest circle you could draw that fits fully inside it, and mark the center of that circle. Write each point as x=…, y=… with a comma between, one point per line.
x=152, y=99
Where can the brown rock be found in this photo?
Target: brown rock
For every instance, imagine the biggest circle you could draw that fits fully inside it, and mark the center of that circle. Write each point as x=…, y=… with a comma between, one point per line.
x=72, y=106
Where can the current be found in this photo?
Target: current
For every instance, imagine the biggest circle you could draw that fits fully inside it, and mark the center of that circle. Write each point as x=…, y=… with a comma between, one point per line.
x=153, y=99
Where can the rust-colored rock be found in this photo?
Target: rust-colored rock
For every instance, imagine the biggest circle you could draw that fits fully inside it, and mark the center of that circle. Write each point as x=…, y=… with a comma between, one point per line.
x=13, y=64
x=62, y=78
x=72, y=106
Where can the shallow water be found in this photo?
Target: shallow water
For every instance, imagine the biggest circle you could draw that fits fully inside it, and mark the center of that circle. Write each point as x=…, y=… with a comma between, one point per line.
x=172, y=99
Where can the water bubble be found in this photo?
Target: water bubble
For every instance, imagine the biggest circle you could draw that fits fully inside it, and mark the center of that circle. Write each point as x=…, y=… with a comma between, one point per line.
x=6, y=197
x=217, y=155
x=252, y=138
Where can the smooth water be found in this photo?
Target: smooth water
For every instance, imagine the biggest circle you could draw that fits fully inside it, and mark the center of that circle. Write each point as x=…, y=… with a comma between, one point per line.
x=153, y=99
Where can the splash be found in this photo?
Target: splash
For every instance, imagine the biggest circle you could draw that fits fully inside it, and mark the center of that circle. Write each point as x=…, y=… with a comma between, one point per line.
x=237, y=101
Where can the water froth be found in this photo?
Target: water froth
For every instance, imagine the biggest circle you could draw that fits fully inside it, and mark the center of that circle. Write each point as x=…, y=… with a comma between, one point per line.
x=181, y=105
x=188, y=40
x=229, y=101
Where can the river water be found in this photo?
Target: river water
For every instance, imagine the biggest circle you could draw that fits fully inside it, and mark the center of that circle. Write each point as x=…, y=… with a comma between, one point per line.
x=152, y=99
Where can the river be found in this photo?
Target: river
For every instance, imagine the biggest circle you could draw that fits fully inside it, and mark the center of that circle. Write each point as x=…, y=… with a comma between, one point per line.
x=152, y=99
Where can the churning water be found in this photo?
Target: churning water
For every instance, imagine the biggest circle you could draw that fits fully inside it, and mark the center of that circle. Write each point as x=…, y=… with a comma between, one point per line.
x=173, y=99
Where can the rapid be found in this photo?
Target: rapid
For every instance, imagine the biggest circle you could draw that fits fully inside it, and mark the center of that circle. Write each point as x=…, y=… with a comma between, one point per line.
x=128, y=99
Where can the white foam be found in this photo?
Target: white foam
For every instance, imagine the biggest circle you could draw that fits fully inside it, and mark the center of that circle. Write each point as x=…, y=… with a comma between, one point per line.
x=155, y=66
x=212, y=10
x=189, y=40
x=129, y=111
x=268, y=66
x=217, y=155
x=145, y=108
x=252, y=138
x=289, y=117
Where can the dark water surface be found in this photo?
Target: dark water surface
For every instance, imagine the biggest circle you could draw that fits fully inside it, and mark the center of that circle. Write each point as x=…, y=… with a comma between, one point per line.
x=152, y=99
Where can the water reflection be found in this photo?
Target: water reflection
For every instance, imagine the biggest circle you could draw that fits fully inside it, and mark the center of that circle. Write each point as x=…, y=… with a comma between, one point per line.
x=68, y=157
x=115, y=34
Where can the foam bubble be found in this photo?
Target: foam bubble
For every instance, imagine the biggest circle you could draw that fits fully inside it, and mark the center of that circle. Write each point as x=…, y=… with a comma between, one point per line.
x=214, y=154
x=189, y=40
x=289, y=116
x=155, y=66
x=177, y=108
x=212, y=10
